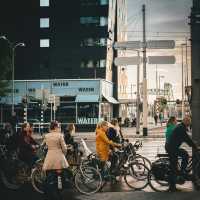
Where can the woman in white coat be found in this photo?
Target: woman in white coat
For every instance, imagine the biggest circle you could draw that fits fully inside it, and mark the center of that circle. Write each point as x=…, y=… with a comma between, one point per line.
x=55, y=161
x=55, y=158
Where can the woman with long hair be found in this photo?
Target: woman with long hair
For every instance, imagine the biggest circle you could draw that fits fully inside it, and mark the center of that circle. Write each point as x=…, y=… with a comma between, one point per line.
x=27, y=145
x=55, y=161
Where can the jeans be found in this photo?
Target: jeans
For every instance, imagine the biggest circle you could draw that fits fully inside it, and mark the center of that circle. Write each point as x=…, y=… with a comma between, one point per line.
x=173, y=157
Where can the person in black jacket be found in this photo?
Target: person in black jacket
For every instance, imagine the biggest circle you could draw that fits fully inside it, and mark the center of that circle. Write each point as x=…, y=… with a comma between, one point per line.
x=27, y=145
x=69, y=135
x=172, y=146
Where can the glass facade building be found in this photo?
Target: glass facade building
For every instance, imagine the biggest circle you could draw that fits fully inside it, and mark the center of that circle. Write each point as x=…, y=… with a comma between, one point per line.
x=64, y=40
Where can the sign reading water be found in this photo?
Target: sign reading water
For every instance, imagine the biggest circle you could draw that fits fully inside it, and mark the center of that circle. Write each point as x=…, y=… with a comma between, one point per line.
x=84, y=120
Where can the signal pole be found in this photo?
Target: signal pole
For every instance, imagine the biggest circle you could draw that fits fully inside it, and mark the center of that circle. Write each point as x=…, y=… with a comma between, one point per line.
x=145, y=111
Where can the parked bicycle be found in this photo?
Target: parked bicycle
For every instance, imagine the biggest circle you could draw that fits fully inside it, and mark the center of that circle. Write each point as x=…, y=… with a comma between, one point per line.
x=14, y=172
x=133, y=171
x=159, y=174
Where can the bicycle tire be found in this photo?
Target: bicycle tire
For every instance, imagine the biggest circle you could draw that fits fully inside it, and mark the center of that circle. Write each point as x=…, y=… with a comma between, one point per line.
x=157, y=185
x=37, y=180
x=141, y=159
x=135, y=177
x=84, y=179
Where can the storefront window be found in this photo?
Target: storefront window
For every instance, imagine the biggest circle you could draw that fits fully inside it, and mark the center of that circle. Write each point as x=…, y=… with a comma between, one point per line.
x=88, y=110
x=66, y=113
x=106, y=111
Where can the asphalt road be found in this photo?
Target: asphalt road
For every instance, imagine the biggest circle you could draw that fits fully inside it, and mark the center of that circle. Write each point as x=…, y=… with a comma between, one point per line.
x=27, y=193
x=119, y=191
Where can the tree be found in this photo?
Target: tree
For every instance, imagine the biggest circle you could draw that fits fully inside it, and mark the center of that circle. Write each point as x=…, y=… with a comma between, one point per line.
x=5, y=67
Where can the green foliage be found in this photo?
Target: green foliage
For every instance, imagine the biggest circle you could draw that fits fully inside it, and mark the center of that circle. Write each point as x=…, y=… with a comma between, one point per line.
x=5, y=67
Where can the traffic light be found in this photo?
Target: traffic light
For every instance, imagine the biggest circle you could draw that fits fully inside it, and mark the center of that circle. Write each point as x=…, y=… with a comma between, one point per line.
x=178, y=101
x=141, y=107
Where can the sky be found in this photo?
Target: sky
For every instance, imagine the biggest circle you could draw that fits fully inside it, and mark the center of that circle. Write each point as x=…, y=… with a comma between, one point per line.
x=165, y=19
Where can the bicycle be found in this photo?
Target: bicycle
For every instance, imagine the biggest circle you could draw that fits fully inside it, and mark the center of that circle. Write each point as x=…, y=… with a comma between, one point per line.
x=14, y=172
x=133, y=171
x=158, y=177
x=86, y=180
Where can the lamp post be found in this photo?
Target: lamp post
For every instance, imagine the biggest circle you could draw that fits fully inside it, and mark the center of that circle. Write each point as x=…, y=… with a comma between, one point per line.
x=182, y=72
x=13, y=47
x=13, y=72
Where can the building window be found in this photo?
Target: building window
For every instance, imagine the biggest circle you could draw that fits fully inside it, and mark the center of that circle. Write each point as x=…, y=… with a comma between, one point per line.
x=89, y=20
x=102, y=63
x=44, y=22
x=44, y=43
x=94, y=21
x=88, y=42
x=103, y=2
x=103, y=21
x=103, y=41
x=44, y=3
x=31, y=89
x=93, y=63
x=94, y=2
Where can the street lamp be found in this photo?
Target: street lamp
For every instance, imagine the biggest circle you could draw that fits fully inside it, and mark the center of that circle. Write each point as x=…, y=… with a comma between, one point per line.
x=182, y=72
x=160, y=76
x=13, y=47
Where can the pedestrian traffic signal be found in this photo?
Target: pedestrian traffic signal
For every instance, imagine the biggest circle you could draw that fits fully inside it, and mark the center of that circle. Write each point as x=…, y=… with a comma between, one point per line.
x=178, y=101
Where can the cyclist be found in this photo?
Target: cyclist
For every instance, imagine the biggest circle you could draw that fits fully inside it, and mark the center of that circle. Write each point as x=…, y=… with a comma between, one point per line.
x=171, y=124
x=179, y=135
x=55, y=160
x=103, y=143
x=27, y=145
x=114, y=131
x=69, y=133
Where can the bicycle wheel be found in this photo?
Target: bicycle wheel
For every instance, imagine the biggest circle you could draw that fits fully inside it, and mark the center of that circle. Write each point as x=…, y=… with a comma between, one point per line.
x=87, y=180
x=136, y=176
x=141, y=159
x=156, y=184
x=38, y=179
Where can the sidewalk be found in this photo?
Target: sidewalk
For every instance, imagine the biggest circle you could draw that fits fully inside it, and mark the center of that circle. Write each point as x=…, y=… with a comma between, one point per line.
x=130, y=132
x=140, y=195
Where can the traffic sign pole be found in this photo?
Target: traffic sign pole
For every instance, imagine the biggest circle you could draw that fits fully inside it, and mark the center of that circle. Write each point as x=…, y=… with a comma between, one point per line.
x=145, y=109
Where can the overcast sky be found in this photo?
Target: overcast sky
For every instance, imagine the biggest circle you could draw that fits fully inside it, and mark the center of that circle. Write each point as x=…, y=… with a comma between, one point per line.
x=165, y=19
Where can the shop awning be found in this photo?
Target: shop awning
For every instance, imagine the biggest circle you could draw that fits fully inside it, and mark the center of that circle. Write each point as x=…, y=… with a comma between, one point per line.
x=111, y=100
x=87, y=98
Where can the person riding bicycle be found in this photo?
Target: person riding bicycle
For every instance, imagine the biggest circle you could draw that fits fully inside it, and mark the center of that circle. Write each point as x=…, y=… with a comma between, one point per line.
x=69, y=135
x=55, y=160
x=179, y=135
x=171, y=124
x=27, y=145
x=103, y=143
x=69, y=140
x=114, y=132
